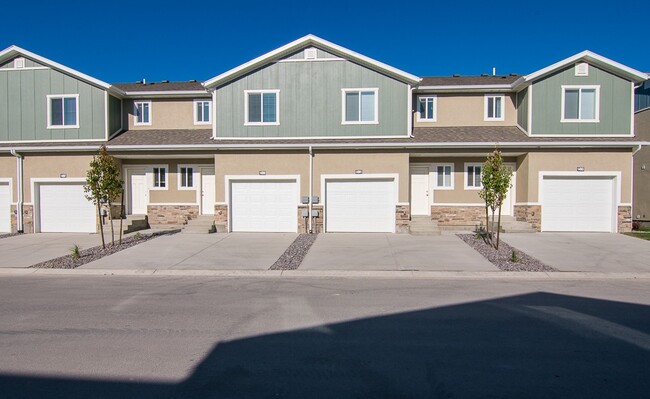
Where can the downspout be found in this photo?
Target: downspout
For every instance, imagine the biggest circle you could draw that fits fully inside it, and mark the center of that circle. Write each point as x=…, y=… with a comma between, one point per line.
x=311, y=175
x=19, y=187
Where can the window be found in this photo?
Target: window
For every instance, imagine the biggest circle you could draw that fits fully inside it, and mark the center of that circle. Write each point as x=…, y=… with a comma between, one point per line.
x=360, y=106
x=160, y=177
x=580, y=103
x=494, y=108
x=62, y=111
x=445, y=176
x=473, y=176
x=185, y=177
x=262, y=107
x=142, y=112
x=427, y=108
x=202, y=112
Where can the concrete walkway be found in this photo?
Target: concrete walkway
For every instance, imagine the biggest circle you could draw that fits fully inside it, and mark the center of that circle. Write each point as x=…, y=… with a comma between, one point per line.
x=585, y=252
x=370, y=252
x=28, y=249
x=245, y=251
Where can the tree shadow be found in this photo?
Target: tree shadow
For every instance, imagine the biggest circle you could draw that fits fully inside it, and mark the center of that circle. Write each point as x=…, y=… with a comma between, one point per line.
x=536, y=345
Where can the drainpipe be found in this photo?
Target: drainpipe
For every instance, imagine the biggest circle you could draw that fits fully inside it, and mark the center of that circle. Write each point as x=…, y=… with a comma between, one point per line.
x=311, y=175
x=19, y=204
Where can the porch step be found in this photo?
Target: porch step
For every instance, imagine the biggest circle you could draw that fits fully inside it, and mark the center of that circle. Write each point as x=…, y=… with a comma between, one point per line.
x=130, y=224
x=423, y=226
x=203, y=224
x=510, y=225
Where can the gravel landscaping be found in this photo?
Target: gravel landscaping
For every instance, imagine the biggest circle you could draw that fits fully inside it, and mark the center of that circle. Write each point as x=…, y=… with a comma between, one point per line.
x=293, y=256
x=94, y=253
x=503, y=258
x=8, y=235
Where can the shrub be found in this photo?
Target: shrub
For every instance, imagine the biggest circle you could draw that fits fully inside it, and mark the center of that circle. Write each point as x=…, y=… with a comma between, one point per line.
x=76, y=251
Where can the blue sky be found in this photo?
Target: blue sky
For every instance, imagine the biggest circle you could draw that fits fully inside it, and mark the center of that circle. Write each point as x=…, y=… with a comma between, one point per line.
x=119, y=41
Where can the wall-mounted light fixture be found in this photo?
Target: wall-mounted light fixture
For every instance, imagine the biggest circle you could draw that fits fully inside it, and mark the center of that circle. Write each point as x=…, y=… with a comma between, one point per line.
x=358, y=172
x=580, y=168
x=63, y=175
x=262, y=173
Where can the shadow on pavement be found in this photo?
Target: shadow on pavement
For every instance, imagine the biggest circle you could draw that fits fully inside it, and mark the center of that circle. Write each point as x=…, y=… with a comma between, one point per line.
x=537, y=345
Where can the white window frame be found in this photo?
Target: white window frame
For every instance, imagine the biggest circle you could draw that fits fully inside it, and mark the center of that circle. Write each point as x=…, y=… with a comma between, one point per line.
x=277, y=108
x=135, y=113
x=51, y=97
x=466, y=176
x=431, y=118
x=196, y=112
x=435, y=176
x=503, y=107
x=152, y=179
x=344, y=91
x=195, y=177
x=580, y=88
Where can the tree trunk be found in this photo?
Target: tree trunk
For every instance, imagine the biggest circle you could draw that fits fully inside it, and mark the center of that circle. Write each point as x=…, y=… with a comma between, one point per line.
x=101, y=225
x=499, y=226
x=487, y=223
x=492, y=237
x=110, y=218
x=121, y=216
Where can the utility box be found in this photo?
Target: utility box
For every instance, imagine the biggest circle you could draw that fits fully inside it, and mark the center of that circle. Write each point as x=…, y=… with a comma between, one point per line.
x=315, y=213
x=315, y=199
x=305, y=213
x=304, y=199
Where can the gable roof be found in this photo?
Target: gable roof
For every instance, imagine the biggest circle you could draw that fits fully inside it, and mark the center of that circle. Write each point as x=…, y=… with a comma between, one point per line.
x=13, y=51
x=482, y=80
x=191, y=85
x=592, y=58
x=303, y=42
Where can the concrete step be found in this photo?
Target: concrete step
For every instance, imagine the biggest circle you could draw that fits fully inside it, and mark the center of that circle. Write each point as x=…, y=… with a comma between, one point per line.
x=203, y=224
x=510, y=225
x=131, y=223
x=423, y=226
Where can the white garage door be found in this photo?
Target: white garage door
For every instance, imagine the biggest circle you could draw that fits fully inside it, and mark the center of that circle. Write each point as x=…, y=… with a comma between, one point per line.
x=360, y=206
x=5, y=208
x=578, y=204
x=64, y=209
x=264, y=206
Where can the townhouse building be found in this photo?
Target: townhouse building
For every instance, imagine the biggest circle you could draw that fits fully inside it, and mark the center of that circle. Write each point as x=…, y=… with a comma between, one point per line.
x=315, y=137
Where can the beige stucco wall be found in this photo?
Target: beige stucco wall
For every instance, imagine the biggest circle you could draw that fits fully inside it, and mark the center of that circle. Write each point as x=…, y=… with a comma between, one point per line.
x=466, y=110
x=172, y=195
x=52, y=166
x=8, y=171
x=165, y=114
x=641, y=203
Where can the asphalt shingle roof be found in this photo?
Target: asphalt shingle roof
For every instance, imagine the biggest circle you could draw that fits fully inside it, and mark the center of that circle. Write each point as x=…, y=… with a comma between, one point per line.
x=160, y=86
x=468, y=80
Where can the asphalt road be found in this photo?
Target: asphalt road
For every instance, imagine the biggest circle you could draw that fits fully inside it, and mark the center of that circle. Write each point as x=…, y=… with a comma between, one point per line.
x=163, y=337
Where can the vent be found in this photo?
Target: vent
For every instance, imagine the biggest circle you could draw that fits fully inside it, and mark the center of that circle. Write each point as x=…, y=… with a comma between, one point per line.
x=582, y=69
x=310, y=54
x=19, y=63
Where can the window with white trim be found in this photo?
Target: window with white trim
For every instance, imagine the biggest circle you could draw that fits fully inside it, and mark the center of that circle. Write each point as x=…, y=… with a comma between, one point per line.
x=427, y=108
x=445, y=176
x=202, y=111
x=494, y=107
x=185, y=177
x=580, y=103
x=262, y=107
x=360, y=106
x=473, y=176
x=142, y=112
x=62, y=111
x=159, y=177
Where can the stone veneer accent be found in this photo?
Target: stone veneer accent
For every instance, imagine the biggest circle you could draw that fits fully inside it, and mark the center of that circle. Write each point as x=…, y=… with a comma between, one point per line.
x=221, y=218
x=531, y=214
x=28, y=219
x=458, y=216
x=171, y=214
x=402, y=218
x=624, y=219
x=317, y=223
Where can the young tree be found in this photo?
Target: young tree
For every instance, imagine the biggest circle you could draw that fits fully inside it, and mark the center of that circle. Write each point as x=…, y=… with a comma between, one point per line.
x=496, y=178
x=103, y=185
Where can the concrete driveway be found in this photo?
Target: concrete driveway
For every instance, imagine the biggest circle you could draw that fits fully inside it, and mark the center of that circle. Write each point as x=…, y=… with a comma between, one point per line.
x=375, y=251
x=255, y=251
x=28, y=249
x=586, y=252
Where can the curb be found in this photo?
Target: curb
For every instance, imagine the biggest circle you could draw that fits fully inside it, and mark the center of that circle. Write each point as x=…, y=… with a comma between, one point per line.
x=400, y=274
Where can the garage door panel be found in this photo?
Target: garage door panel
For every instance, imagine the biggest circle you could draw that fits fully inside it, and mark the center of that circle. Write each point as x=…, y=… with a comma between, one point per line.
x=63, y=208
x=5, y=208
x=264, y=206
x=360, y=206
x=578, y=204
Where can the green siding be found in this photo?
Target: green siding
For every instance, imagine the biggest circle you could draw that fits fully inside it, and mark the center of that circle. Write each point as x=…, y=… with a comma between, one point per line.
x=114, y=114
x=311, y=101
x=615, y=104
x=522, y=108
x=23, y=106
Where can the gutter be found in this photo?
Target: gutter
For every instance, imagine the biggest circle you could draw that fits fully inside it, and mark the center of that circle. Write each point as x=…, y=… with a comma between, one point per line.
x=19, y=177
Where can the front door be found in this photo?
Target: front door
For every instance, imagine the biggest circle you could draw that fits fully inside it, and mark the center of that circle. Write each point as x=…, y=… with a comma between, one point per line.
x=207, y=191
x=420, y=191
x=138, y=192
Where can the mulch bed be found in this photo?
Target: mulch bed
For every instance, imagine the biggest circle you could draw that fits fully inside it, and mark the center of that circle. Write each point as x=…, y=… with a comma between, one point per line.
x=94, y=253
x=503, y=257
x=293, y=256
